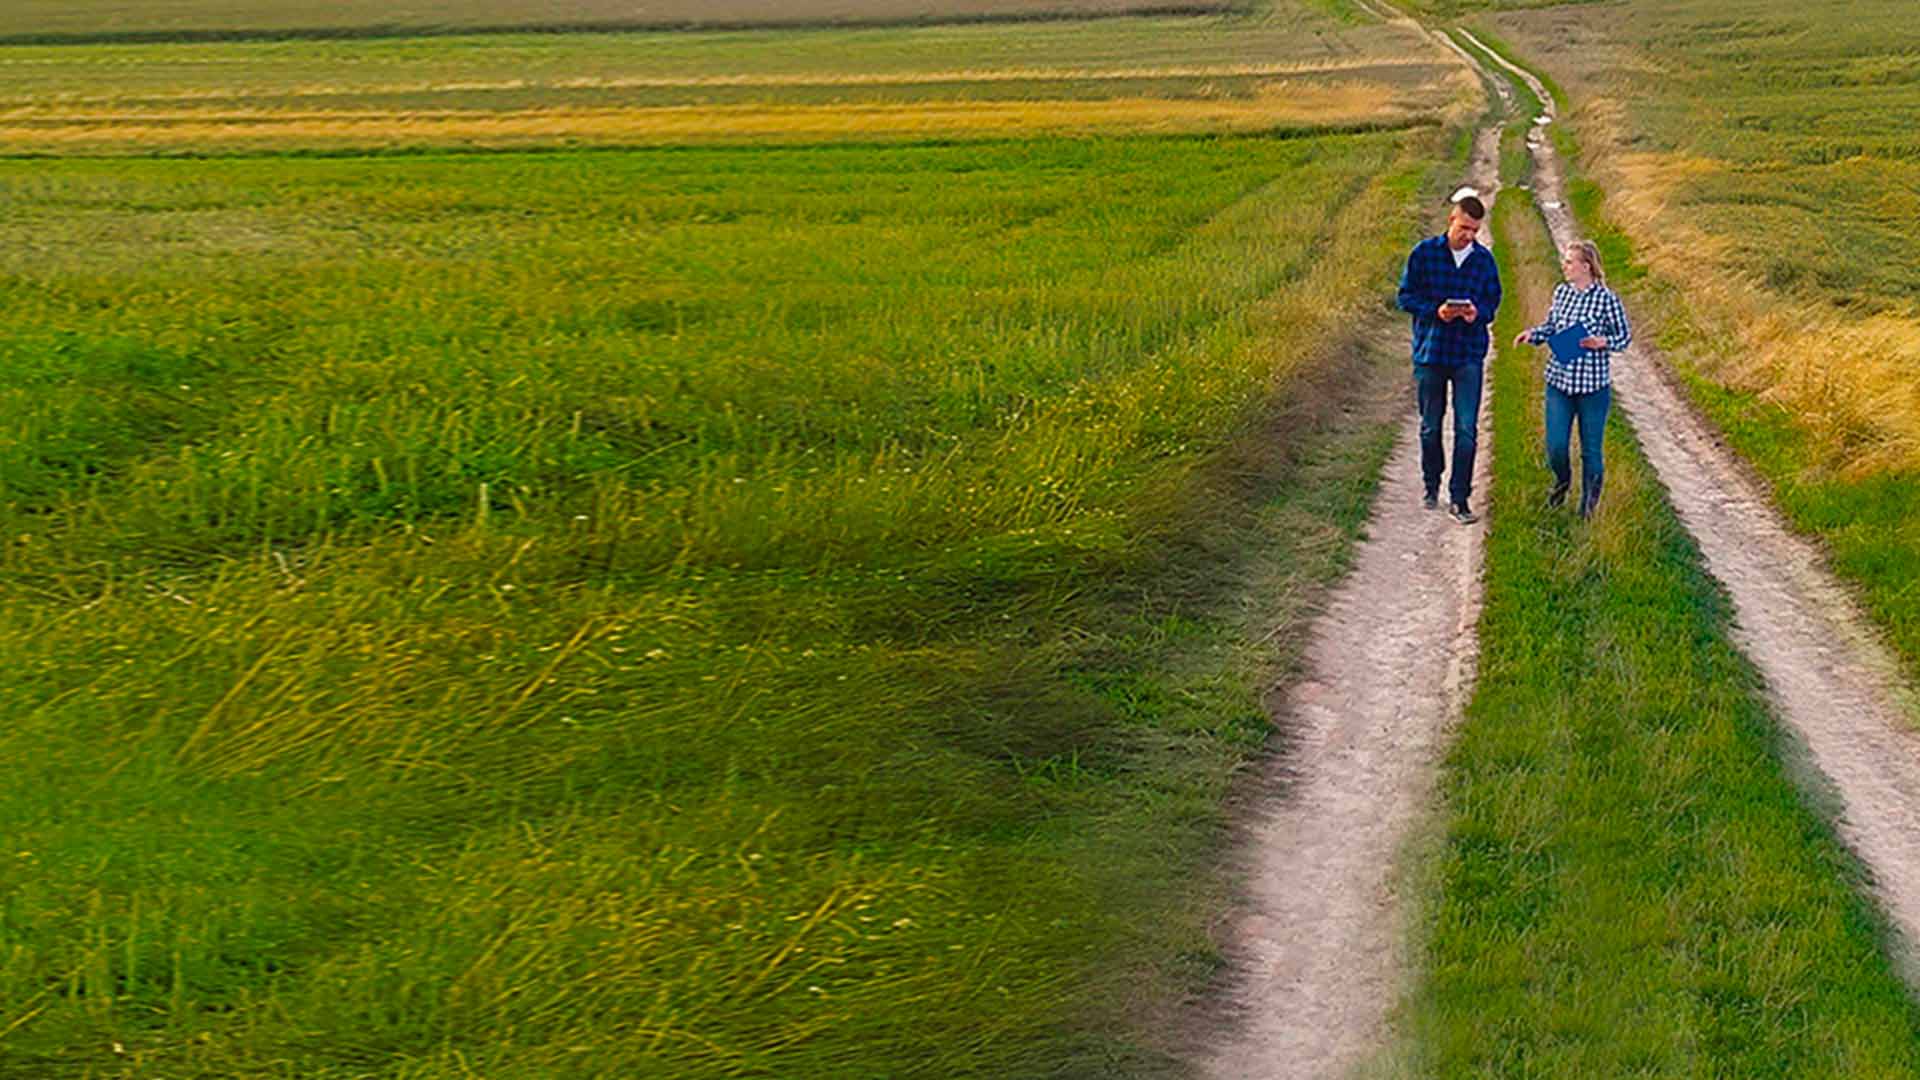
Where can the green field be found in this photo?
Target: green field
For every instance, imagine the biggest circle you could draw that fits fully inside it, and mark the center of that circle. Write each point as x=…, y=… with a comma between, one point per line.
x=701, y=611
x=765, y=610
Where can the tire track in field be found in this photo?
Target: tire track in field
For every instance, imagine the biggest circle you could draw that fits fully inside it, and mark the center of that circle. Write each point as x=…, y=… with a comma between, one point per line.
x=1316, y=942
x=1834, y=685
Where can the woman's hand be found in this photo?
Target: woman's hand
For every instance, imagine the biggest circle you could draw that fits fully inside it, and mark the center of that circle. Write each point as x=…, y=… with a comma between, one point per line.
x=1593, y=341
x=1521, y=338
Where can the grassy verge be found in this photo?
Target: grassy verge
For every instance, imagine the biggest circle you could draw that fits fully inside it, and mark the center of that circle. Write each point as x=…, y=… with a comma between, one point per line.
x=1629, y=883
x=696, y=613
x=1869, y=525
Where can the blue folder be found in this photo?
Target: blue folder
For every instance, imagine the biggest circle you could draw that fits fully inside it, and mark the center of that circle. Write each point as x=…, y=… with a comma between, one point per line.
x=1566, y=343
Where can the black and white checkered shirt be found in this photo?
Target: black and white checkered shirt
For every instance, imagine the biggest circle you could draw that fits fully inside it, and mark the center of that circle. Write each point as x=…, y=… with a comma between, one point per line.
x=1600, y=311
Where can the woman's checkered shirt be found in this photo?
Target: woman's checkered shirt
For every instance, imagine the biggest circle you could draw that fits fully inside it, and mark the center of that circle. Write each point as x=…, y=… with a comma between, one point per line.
x=1600, y=311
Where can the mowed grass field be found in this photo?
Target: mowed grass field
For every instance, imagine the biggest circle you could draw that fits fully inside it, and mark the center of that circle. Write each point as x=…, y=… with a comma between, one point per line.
x=691, y=611
x=1294, y=68
x=94, y=21
x=1756, y=157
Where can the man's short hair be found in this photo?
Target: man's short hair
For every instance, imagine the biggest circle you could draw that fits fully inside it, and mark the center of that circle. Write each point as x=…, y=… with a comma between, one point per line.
x=1472, y=206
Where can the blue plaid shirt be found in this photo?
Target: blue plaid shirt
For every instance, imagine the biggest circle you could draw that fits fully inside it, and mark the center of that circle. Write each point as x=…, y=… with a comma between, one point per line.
x=1600, y=311
x=1429, y=279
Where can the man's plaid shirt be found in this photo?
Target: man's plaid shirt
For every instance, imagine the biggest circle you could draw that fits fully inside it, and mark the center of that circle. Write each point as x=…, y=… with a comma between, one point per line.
x=1429, y=278
x=1599, y=310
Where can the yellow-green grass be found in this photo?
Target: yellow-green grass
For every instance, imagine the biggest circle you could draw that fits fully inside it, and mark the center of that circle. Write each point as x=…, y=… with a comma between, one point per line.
x=1295, y=37
x=1628, y=883
x=93, y=21
x=1294, y=67
x=1296, y=109
x=683, y=613
x=1814, y=385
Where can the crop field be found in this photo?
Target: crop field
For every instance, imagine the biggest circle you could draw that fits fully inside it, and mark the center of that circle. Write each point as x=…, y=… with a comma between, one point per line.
x=1296, y=69
x=612, y=602
x=95, y=21
x=1757, y=155
x=694, y=611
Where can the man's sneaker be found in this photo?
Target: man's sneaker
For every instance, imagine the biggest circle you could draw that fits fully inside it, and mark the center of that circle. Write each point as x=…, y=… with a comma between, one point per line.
x=1431, y=502
x=1557, y=498
x=1459, y=512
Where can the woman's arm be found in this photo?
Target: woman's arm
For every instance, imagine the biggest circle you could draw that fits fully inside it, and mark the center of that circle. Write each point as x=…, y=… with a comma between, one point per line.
x=1538, y=335
x=1620, y=332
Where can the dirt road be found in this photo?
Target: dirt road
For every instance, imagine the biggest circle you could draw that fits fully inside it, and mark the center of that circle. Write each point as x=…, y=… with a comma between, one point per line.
x=1317, y=943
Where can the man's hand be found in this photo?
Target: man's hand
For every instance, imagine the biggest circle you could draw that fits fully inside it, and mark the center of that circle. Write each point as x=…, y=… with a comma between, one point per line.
x=1468, y=311
x=1446, y=311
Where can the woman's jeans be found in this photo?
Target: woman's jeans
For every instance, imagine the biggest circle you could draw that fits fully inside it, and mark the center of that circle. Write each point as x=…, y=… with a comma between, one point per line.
x=1591, y=408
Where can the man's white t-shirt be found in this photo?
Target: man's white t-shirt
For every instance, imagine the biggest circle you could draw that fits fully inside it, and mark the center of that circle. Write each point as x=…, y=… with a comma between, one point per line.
x=1460, y=254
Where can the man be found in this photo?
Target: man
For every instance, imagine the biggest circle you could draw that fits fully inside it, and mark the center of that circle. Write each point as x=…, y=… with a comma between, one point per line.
x=1451, y=287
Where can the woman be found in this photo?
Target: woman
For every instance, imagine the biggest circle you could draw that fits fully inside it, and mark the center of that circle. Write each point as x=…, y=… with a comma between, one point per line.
x=1582, y=386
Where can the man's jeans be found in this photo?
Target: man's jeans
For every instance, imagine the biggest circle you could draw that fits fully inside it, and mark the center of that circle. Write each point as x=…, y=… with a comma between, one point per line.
x=1591, y=408
x=1431, y=383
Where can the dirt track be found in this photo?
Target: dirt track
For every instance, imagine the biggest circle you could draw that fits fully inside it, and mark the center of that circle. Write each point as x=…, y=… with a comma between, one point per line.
x=1316, y=944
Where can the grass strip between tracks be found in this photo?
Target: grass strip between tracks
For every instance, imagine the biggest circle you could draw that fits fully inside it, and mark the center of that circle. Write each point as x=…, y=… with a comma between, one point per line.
x=1628, y=882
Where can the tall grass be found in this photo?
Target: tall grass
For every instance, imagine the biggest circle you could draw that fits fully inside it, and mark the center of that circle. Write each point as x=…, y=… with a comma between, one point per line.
x=1628, y=883
x=682, y=613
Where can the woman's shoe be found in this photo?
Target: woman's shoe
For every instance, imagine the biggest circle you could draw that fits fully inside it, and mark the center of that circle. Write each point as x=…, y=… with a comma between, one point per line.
x=1557, y=498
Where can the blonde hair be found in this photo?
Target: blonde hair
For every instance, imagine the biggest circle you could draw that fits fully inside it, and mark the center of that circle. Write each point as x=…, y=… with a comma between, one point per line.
x=1589, y=251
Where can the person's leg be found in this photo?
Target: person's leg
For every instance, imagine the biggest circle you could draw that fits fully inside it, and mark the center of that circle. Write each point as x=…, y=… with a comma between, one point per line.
x=1593, y=429
x=1559, y=437
x=1430, y=391
x=1466, y=425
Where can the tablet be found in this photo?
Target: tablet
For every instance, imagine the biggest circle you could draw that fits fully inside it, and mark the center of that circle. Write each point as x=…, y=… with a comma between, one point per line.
x=1566, y=343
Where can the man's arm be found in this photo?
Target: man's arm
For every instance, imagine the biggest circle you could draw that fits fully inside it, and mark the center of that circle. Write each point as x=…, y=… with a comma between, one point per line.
x=1416, y=295
x=1489, y=301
